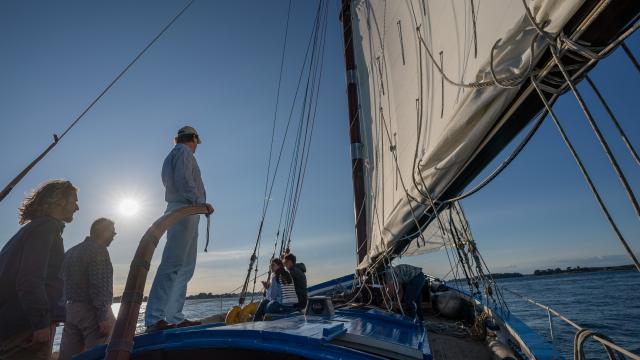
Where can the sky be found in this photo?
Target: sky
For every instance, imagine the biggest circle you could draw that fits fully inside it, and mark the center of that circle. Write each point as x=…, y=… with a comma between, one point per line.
x=217, y=70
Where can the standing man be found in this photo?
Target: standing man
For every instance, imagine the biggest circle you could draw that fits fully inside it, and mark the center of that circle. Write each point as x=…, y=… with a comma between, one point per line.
x=30, y=263
x=88, y=288
x=183, y=186
x=405, y=282
x=297, y=271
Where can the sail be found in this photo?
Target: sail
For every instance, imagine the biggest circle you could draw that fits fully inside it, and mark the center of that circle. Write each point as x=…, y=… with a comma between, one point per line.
x=439, y=232
x=419, y=131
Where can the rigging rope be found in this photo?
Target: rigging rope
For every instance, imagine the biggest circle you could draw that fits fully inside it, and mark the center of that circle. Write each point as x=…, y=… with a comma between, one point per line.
x=475, y=36
x=586, y=175
x=569, y=82
x=300, y=157
x=310, y=62
x=311, y=117
x=56, y=138
x=503, y=165
x=598, y=133
x=630, y=55
x=266, y=203
x=206, y=246
x=574, y=46
x=613, y=118
x=273, y=129
x=275, y=112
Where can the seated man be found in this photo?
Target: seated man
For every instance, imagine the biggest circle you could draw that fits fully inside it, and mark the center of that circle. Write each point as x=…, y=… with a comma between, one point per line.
x=88, y=288
x=406, y=282
x=297, y=271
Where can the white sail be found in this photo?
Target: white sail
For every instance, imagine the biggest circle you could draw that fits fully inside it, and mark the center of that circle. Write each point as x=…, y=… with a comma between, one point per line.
x=407, y=113
x=439, y=232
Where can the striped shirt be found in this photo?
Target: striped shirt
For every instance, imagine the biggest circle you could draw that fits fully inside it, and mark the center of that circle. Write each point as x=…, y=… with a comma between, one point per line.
x=289, y=296
x=284, y=294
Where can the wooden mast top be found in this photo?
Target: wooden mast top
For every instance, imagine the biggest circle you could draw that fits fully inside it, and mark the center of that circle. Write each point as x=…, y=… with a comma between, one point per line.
x=357, y=148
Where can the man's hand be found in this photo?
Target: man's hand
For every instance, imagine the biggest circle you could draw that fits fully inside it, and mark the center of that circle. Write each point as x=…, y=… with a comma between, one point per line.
x=210, y=208
x=105, y=327
x=266, y=284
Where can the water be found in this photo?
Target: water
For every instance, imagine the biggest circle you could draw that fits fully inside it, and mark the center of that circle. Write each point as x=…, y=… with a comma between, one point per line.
x=608, y=302
x=193, y=310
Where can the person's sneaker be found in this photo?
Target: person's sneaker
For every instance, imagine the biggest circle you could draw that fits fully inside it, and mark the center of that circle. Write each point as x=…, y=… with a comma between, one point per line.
x=187, y=323
x=159, y=326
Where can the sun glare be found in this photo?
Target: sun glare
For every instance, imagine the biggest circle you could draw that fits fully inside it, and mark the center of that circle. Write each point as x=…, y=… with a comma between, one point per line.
x=129, y=207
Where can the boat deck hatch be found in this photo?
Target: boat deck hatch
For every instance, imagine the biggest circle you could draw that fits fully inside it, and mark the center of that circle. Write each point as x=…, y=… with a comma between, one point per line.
x=383, y=334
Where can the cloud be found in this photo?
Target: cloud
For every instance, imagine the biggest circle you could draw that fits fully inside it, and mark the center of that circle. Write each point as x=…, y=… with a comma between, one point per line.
x=223, y=256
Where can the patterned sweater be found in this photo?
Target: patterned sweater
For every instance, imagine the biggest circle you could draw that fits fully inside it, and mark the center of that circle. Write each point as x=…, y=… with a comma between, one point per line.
x=88, y=276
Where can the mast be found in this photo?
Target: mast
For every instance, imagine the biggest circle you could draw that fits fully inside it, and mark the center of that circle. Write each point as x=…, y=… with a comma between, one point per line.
x=357, y=148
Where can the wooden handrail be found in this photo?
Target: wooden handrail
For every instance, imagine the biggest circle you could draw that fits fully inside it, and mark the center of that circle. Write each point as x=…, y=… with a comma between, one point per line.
x=121, y=343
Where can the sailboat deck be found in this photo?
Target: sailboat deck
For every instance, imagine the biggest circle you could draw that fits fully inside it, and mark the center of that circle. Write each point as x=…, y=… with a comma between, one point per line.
x=450, y=347
x=445, y=347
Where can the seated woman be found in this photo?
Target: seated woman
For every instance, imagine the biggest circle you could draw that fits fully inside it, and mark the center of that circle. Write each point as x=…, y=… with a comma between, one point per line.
x=281, y=293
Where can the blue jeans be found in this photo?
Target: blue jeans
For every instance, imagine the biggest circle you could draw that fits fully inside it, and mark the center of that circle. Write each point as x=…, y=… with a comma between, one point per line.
x=178, y=263
x=271, y=307
x=275, y=307
x=412, y=299
x=259, y=315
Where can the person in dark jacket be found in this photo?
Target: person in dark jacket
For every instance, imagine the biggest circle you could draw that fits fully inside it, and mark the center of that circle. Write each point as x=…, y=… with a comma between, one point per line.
x=30, y=265
x=297, y=271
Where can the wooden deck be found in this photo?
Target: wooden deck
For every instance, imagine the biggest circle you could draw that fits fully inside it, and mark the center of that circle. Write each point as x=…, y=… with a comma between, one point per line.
x=448, y=347
x=454, y=348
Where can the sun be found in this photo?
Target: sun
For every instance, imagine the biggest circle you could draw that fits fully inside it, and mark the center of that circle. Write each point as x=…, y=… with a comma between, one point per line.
x=129, y=207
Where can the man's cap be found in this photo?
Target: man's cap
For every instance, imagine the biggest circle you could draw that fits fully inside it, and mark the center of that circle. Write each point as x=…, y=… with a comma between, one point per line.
x=188, y=130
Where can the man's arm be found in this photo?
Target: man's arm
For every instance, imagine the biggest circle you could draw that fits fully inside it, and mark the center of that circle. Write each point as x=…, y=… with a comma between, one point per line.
x=276, y=291
x=101, y=284
x=183, y=175
x=32, y=274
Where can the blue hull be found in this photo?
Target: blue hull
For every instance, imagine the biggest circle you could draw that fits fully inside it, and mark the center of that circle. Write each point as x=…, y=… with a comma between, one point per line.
x=349, y=334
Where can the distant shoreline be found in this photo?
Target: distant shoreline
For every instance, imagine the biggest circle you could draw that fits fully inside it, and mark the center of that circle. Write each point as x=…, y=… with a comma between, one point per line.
x=546, y=272
x=200, y=296
x=568, y=270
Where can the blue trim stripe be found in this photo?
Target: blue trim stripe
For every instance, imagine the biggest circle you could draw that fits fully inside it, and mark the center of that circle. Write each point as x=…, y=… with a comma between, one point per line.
x=331, y=283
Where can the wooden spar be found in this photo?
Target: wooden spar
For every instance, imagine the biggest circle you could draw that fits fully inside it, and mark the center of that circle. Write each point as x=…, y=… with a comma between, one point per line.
x=121, y=342
x=357, y=148
x=7, y=189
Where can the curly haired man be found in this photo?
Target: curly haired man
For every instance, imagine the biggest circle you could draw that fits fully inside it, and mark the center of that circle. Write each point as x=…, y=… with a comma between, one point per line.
x=30, y=263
